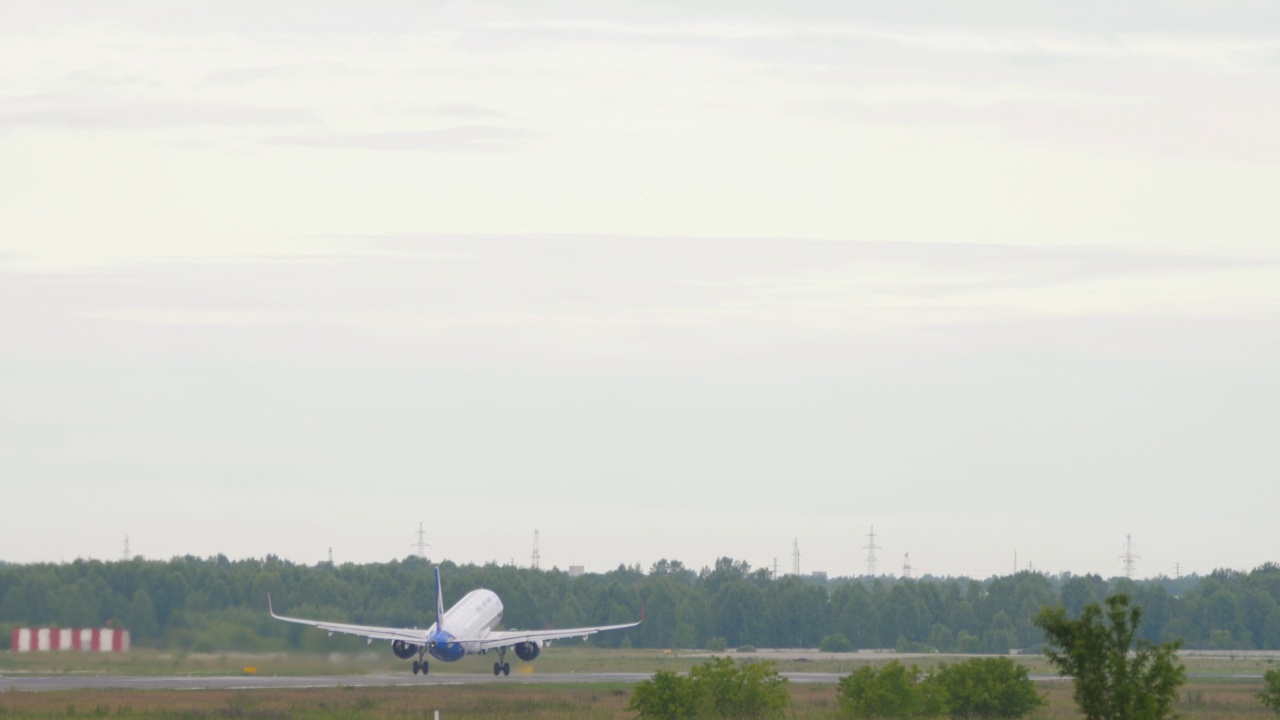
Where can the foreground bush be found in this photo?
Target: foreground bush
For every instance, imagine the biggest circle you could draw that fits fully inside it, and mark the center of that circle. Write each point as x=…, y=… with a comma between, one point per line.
x=1270, y=695
x=666, y=696
x=978, y=688
x=890, y=691
x=994, y=687
x=718, y=688
x=1116, y=675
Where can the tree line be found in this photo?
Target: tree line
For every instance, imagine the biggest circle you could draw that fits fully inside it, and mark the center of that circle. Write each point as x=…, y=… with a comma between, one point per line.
x=214, y=604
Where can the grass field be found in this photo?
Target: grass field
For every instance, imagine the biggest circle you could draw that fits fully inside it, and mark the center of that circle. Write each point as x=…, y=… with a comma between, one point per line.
x=1201, y=700
x=1216, y=691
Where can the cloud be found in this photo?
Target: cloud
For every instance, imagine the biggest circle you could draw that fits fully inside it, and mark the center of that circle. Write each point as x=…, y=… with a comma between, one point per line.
x=677, y=279
x=72, y=113
x=467, y=111
x=1163, y=128
x=271, y=73
x=1027, y=42
x=484, y=138
x=191, y=318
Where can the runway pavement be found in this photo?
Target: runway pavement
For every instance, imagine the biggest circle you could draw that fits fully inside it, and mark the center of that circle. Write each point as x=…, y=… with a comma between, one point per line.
x=228, y=682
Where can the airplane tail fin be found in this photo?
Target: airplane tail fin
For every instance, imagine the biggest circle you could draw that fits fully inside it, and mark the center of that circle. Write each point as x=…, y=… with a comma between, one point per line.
x=439, y=604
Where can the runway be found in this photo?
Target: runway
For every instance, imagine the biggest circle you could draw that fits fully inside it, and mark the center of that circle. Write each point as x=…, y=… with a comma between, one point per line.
x=249, y=682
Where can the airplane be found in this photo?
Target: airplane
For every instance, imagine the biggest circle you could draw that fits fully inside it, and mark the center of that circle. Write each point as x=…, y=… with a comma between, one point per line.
x=467, y=629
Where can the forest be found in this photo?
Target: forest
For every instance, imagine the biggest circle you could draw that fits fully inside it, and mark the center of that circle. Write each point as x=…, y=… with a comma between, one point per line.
x=216, y=604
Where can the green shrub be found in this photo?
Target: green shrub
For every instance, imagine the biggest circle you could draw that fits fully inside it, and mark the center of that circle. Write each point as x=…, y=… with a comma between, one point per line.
x=835, y=643
x=986, y=688
x=717, y=644
x=666, y=696
x=891, y=691
x=977, y=688
x=1270, y=695
x=746, y=690
x=718, y=688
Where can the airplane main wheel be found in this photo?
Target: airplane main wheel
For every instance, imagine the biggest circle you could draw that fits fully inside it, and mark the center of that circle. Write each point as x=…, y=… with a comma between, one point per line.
x=497, y=668
x=416, y=667
x=506, y=668
x=424, y=667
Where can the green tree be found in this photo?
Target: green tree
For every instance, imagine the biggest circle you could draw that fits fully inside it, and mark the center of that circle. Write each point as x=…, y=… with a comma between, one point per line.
x=142, y=617
x=1081, y=590
x=661, y=603
x=665, y=696
x=738, y=609
x=1001, y=635
x=986, y=688
x=718, y=688
x=891, y=691
x=1270, y=695
x=855, y=615
x=569, y=614
x=1116, y=676
x=728, y=689
x=835, y=643
x=941, y=639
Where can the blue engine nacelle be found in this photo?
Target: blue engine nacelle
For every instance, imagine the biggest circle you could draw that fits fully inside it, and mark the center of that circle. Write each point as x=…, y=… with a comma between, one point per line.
x=403, y=650
x=528, y=651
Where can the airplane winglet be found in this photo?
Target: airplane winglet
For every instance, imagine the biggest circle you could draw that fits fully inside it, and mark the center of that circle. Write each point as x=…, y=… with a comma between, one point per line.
x=439, y=604
x=269, y=608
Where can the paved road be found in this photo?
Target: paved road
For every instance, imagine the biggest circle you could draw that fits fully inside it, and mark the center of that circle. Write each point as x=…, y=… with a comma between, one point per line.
x=75, y=682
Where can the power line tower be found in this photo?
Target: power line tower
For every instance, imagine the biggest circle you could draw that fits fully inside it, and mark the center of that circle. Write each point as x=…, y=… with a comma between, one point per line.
x=125, y=555
x=1129, y=558
x=422, y=544
x=536, y=558
x=906, y=565
x=795, y=557
x=775, y=569
x=871, y=547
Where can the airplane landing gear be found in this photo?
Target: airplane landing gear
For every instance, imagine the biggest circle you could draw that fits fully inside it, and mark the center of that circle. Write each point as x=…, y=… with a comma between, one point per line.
x=501, y=667
x=420, y=665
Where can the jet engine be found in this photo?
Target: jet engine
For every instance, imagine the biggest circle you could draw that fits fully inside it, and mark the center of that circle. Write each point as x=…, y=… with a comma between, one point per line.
x=403, y=650
x=528, y=651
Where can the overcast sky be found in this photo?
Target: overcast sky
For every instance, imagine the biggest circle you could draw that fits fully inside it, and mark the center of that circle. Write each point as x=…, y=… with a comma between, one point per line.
x=678, y=280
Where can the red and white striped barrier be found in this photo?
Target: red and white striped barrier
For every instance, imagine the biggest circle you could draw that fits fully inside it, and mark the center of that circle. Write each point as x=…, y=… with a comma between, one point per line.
x=84, y=639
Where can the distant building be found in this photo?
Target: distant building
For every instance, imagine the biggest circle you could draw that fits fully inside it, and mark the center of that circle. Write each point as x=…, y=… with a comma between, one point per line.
x=577, y=570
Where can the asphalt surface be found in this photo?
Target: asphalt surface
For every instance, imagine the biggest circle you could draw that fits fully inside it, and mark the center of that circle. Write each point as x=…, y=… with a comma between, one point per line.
x=235, y=682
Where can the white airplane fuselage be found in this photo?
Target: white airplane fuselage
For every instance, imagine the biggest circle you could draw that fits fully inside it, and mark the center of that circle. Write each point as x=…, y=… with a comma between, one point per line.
x=472, y=617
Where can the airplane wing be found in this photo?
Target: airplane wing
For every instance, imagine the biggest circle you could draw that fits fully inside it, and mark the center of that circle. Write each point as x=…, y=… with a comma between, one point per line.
x=416, y=637
x=507, y=638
